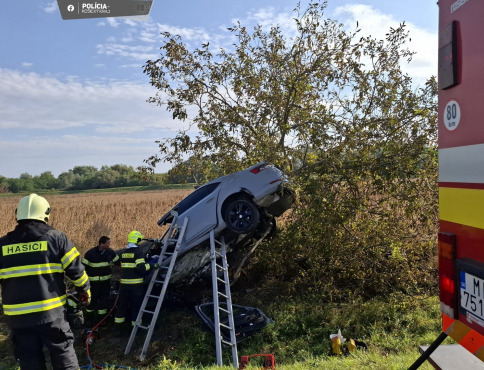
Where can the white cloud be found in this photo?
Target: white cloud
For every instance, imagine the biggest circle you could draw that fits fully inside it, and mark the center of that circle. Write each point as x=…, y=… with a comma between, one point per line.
x=375, y=23
x=132, y=65
x=139, y=52
x=27, y=64
x=268, y=17
x=113, y=22
x=187, y=34
x=53, y=124
x=141, y=40
x=50, y=7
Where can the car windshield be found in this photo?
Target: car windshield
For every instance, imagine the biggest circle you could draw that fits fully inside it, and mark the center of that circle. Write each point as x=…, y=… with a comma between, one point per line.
x=195, y=197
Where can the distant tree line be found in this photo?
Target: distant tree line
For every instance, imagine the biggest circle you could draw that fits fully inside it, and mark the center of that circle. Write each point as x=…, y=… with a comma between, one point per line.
x=81, y=178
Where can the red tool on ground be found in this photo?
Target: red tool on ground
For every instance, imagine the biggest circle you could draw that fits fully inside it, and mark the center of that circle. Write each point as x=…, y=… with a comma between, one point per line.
x=269, y=362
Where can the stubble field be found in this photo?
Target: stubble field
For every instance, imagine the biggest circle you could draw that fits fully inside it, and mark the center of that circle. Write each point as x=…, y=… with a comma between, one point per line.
x=86, y=217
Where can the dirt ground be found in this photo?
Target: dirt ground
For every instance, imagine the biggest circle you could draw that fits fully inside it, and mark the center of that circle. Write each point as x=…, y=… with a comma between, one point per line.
x=106, y=346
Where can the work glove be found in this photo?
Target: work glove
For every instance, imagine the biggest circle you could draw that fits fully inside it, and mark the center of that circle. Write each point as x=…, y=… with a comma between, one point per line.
x=85, y=298
x=154, y=260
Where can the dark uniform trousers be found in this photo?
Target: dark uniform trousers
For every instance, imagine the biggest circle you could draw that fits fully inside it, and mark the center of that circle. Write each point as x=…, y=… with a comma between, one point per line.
x=100, y=295
x=129, y=302
x=57, y=336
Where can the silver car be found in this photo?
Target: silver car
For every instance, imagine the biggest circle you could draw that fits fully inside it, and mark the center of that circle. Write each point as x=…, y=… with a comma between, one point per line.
x=239, y=206
x=238, y=202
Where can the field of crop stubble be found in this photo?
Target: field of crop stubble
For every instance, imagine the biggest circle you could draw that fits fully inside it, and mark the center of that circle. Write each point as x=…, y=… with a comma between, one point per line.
x=86, y=217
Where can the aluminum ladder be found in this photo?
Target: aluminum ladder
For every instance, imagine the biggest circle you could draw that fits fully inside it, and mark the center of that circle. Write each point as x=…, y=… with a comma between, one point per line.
x=219, y=264
x=161, y=276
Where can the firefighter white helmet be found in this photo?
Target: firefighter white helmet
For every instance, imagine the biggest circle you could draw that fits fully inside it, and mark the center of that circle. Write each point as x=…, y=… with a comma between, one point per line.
x=33, y=207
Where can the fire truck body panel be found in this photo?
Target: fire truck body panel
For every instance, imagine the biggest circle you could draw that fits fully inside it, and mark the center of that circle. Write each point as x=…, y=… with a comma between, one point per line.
x=461, y=171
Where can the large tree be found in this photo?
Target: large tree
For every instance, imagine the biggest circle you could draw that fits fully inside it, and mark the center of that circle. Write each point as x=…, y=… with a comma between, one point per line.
x=335, y=110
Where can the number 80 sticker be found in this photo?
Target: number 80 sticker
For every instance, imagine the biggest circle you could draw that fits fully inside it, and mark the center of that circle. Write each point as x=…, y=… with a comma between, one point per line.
x=452, y=115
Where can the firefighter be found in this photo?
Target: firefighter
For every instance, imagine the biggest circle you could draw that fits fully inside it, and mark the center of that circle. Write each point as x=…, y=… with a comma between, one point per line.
x=98, y=262
x=34, y=258
x=131, y=290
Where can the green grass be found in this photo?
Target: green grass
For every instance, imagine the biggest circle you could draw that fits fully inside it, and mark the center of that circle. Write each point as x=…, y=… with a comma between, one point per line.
x=106, y=190
x=299, y=337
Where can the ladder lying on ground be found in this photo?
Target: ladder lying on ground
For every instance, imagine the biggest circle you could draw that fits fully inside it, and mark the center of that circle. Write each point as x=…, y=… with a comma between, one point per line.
x=171, y=245
x=225, y=314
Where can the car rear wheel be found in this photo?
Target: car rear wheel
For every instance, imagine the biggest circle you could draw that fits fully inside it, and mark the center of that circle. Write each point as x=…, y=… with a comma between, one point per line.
x=241, y=216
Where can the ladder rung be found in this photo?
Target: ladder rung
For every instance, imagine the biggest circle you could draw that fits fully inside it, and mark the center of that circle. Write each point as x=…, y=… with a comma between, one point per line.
x=171, y=248
x=225, y=326
x=227, y=343
x=224, y=310
x=221, y=280
x=220, y=267
x=222, y=295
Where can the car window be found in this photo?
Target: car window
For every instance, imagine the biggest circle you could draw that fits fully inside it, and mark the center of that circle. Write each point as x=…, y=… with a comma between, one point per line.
x=196, y=197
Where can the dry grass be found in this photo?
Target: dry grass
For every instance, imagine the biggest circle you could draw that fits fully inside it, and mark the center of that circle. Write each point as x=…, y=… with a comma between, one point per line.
x=86, y=217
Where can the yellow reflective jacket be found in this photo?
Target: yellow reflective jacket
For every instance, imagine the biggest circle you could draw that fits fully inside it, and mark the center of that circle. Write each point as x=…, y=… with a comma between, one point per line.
x=34, y=259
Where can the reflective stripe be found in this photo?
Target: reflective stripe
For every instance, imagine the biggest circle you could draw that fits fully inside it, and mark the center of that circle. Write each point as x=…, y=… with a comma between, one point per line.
x=99, y=278
x=464, y=335
x=132, y=281
x=462, y=164
x=29, y=270
x=93, y=264
x=102, y=312
x=69, y=257
x=128, y=265
x=82, y=280
x=119, y=320
x=140, y=260
x=469, y=210
x=116, y=258
x=38, y=306
x=128, y=255
x=38, y=246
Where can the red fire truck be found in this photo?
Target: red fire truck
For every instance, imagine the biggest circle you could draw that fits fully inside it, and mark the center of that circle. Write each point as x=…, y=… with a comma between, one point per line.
x=461, y=173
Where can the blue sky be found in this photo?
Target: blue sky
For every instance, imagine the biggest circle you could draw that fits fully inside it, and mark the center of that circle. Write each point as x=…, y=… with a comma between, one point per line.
x=72, y=92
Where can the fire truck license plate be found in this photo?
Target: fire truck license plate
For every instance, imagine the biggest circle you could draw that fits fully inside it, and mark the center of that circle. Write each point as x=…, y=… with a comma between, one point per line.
x=472, y=294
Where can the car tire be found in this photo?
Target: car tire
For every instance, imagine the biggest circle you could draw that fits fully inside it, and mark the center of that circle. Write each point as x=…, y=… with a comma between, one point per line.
x=241, y=216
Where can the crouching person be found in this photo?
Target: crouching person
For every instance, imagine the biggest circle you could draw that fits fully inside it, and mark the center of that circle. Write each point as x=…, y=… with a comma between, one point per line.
x=34, y=258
